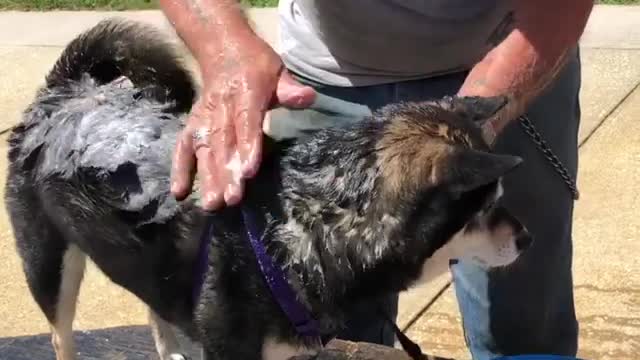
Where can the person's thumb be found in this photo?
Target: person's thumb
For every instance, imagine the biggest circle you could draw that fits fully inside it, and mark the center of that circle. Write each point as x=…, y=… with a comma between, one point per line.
x=290, y=93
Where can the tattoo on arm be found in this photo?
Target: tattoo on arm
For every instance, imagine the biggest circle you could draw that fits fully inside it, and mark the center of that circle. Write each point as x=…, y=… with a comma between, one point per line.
x=205, y=10
x=207, y=27
x=196, y=7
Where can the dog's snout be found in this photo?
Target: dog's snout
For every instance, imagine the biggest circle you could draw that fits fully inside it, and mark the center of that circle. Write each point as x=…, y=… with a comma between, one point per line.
x=500, y=215
x=523, y=241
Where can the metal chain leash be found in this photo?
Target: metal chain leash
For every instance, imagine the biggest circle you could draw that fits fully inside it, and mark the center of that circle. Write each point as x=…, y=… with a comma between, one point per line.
x=537, y=139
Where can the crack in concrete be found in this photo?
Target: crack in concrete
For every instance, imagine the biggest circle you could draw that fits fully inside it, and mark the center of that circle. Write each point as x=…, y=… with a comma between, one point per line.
x=608, y=290
x=608, y=114
x=618, y=321
x=425, y=308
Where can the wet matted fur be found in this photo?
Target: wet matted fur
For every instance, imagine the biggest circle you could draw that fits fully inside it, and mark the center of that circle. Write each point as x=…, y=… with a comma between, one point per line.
x=349, y=213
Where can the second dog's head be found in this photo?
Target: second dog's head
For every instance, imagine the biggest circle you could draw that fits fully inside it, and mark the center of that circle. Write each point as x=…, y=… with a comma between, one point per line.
x=416, y=177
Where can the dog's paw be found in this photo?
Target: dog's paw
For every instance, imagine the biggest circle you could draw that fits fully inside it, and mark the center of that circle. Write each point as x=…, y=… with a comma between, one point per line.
x=177, y=357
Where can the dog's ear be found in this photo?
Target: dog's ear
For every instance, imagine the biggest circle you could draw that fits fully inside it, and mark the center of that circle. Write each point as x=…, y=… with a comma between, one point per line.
x=477, y=108
x=469, y=169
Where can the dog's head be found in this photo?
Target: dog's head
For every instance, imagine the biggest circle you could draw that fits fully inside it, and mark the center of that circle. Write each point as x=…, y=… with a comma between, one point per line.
x=435, y=164
x=415, y=179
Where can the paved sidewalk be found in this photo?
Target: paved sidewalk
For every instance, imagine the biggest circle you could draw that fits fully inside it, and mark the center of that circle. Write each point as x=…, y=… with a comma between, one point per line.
x=59, y=27
x=606, y=230
x=609, y=26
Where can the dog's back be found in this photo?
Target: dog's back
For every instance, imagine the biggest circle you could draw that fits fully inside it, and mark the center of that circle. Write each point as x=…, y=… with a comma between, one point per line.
x=89, y=157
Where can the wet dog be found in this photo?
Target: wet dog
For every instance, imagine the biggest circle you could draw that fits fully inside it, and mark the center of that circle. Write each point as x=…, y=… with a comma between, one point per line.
x=347, y=213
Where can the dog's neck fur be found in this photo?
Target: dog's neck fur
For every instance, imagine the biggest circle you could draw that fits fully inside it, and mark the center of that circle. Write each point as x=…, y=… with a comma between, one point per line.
x=335, y=233
x=333, y=266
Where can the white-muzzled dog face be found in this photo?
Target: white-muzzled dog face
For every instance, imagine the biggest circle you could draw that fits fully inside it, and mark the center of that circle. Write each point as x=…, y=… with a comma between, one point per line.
x=492, y=238
x=438, y=147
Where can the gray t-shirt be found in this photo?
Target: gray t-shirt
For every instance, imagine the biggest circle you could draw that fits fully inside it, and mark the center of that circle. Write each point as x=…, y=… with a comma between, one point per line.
x=364, y=42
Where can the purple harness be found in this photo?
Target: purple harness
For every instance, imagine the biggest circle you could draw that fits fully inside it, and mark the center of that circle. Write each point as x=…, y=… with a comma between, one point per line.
x=298, y=314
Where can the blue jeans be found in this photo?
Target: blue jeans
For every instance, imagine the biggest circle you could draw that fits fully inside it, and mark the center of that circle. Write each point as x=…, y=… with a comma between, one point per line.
x=524, y=309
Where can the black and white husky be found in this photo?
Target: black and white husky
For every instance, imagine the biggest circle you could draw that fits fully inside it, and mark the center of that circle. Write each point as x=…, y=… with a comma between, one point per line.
x=345, y=213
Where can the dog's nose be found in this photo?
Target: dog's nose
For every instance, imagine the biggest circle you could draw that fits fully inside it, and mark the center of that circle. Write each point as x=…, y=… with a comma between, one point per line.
x=523, y=241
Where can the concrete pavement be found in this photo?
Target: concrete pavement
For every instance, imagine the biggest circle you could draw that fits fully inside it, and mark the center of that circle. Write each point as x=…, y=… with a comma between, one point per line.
x=59, y=27
x=609, y=26
x=607, y=272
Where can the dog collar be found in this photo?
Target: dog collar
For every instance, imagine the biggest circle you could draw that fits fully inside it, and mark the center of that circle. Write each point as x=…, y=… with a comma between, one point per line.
x=298, y=314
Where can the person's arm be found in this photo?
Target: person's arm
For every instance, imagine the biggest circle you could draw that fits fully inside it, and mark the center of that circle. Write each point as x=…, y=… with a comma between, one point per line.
x=530, y=57
x=208, y=26
x=242, y=78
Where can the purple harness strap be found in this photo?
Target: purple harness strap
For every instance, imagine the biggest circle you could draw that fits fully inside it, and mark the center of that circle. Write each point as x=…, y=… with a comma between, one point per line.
x=297, y=313
x=202, y=261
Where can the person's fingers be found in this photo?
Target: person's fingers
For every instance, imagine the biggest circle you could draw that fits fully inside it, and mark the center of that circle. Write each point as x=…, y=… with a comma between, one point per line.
x=291, y=93
x=234, y=192
x=254, y=158
x=210, y=188
x=183, y=165
x=248, y=126
x=227, y=156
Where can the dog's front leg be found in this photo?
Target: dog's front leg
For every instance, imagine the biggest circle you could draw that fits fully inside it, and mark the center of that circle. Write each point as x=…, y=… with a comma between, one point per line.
x=165, y=339
x=232, y=340
x=270, y=349
x=228, y=354
x=227, y=348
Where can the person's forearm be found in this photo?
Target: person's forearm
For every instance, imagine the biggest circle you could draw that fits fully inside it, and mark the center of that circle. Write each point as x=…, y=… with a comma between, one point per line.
x=209, y=27
x=531, y=56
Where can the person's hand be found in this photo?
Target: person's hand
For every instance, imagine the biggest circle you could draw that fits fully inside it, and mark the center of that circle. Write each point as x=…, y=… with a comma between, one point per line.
x=222, y=140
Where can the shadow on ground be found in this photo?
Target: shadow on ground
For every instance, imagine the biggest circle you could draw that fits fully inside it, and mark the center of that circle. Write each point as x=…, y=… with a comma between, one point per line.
x=117, y=343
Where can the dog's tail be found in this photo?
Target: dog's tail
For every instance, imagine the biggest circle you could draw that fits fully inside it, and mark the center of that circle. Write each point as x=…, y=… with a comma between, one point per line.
x=117, y=47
